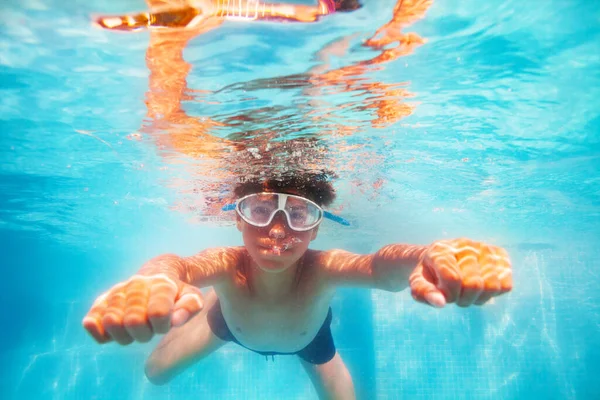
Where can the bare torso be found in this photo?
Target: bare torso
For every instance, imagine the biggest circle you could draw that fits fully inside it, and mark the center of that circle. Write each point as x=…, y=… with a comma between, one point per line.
x=284, y=323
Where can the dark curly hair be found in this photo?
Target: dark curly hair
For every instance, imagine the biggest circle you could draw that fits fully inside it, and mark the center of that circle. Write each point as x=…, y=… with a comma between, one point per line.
x=312, y=185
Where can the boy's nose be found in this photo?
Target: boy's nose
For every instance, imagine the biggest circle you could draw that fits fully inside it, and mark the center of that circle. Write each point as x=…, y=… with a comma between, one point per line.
x=278, y=226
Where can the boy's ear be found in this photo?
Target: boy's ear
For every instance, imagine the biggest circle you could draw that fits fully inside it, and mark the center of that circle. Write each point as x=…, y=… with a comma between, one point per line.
x=314, y=233
x=238, y=222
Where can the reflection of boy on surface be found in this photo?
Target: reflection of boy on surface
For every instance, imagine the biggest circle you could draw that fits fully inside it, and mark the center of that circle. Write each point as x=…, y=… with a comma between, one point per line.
x=169, y=70
x=272, y=295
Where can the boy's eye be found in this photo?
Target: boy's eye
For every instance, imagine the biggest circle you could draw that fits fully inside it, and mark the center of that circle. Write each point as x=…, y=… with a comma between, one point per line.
x=261, y=210
x=298, y=214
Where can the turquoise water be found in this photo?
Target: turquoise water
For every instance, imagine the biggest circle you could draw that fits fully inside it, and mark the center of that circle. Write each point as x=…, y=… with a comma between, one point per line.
x=502, y=144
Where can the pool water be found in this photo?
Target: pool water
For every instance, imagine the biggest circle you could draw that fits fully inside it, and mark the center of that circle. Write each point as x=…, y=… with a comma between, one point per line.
x=489, y=128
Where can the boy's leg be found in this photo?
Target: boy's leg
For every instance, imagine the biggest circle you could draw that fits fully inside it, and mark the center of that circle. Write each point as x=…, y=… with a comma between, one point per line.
x=331, y=380
x=183, y=346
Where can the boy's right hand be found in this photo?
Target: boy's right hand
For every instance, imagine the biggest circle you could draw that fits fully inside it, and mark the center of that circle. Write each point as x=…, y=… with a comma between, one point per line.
x=140, y=307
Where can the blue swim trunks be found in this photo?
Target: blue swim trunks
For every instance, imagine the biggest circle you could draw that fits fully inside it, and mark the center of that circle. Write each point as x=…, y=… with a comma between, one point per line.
x=319, y=351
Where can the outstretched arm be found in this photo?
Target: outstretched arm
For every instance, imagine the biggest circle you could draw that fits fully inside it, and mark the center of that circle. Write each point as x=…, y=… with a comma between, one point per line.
x=458, y=271
x=163, y=294
x=387, y=269
x=203, y=269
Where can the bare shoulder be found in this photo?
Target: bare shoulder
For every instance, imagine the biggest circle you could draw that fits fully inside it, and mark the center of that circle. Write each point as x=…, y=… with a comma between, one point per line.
x=334, y=261
x=338, y=266
x=222, y=256
x=212, y=266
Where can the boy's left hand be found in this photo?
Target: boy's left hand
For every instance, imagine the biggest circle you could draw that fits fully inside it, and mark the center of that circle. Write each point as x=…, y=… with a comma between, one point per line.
x=461, y=271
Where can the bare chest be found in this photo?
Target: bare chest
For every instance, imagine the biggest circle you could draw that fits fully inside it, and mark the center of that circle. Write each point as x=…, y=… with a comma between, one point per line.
x=286, y=324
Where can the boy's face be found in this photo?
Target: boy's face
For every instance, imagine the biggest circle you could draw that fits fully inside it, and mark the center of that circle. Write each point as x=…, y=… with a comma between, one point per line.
x=275, y=247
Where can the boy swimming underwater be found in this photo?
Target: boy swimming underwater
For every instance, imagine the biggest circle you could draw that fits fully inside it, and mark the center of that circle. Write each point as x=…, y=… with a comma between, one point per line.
x=272, y=295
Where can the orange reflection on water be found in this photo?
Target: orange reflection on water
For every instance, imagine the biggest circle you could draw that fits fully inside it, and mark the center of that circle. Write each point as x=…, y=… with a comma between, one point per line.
x=387, y=100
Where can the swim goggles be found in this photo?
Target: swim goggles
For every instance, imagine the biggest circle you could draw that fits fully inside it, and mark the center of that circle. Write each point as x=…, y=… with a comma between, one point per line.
x=259, y=209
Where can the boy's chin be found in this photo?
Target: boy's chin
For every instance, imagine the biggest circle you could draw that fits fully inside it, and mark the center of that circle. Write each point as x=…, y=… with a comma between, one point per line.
x=272, y=267
x=275, y=261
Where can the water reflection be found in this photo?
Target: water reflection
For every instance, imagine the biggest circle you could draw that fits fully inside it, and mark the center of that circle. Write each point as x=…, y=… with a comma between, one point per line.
x=316, y=133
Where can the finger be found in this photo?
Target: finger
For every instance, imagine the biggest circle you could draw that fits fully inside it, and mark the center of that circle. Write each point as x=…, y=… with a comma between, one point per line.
x=472, y=285
x=160, y=303
x=472, y=288
x=495, y=266
x=484, y=298
x=92, y=322
x=188, y=304
x=113, y=317
x=442, y=263
x=423, y=290
x=492, y=288
x=506, y=281
x=136, y=318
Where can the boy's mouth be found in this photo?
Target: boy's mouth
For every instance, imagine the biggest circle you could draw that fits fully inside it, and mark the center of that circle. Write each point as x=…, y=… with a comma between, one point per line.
x=281, y=247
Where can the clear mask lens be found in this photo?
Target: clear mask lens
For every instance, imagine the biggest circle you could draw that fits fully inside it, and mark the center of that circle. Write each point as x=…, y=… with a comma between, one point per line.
x=259, y=210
